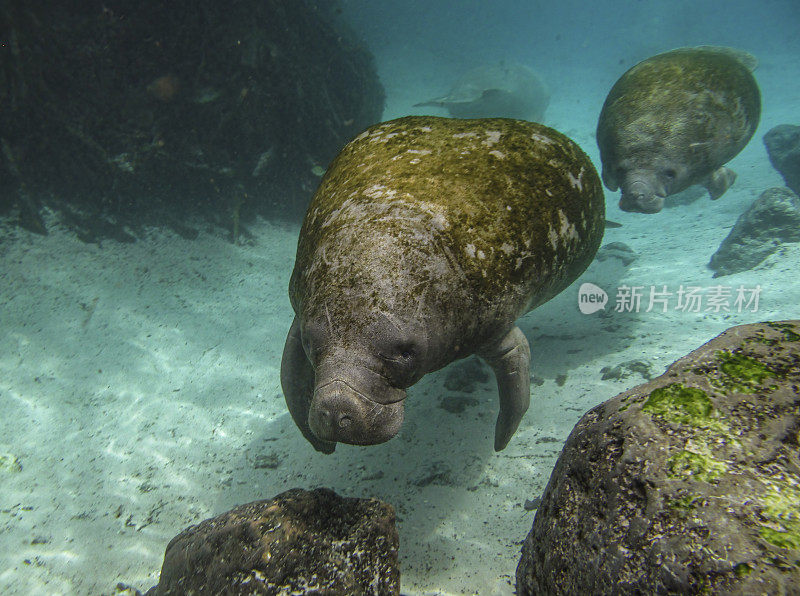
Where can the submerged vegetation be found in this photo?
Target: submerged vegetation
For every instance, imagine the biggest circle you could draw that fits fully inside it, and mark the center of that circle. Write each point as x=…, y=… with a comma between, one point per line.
x=114, y=112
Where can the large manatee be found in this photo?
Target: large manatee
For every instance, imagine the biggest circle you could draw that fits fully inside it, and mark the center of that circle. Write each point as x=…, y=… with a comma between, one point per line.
x=425, y=241
x=673, y=120
x=499, y=90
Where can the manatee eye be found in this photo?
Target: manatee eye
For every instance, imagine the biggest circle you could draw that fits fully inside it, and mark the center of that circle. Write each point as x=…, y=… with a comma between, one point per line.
x=670, y=173
x=400, y=354
x=406, y=352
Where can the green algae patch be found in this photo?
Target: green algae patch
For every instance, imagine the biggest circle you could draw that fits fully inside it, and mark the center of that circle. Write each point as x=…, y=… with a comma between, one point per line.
x=786, y=330
x=697, y=465
x=684, y=503
x=782, y=513
x=780, y=539
x=742, y=373
x=680, y=404
x=742, y=570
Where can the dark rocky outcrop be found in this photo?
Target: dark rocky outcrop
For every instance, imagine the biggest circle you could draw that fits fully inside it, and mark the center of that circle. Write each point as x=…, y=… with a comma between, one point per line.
x=688, y=484
x=773, y=218
x=783, y=148
x=300, y=542
x=116, y=113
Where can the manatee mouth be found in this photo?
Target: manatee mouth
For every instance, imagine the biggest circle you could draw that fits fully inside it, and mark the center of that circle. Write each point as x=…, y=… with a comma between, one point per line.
x=341, y=414
x=639, y=197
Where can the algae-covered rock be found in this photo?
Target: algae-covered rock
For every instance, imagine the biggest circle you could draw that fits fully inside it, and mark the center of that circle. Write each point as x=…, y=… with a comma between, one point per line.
x=300, y=542
x=687, y=484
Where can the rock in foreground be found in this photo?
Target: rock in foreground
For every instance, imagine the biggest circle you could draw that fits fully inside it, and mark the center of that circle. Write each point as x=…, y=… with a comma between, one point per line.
x=300, y=542
x=772, y=219
x=687, y=484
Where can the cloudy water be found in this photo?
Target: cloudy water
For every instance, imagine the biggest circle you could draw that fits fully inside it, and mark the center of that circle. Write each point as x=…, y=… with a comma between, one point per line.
x=154, y=175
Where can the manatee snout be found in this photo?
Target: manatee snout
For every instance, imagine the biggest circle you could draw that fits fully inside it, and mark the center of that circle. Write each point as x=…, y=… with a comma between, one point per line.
x=642, y=197
x=341, y=414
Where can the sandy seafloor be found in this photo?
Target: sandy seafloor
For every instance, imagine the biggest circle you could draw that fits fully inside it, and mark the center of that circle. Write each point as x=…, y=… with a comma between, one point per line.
x=139, y=384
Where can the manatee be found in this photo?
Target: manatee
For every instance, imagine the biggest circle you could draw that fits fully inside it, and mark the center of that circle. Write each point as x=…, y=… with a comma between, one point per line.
x=426, y=239
x=502, y=90
x=673, y=120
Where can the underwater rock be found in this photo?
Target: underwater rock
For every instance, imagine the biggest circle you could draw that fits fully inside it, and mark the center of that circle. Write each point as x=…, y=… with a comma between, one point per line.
x=626, y=369
x=532, y=504
x=773, y=218
x=300, y=542
x=425, y=241
x=497, y=91
x=617, y=250
x=466, y=376
x=687, y=484
x=783, y=148
x=674, y=120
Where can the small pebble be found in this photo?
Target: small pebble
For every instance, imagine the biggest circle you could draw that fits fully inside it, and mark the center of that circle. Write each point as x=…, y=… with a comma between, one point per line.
x=532, y=504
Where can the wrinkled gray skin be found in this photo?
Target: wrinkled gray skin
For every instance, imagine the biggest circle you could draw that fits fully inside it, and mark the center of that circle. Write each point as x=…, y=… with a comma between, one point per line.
x=673, y=120
x=427, y=238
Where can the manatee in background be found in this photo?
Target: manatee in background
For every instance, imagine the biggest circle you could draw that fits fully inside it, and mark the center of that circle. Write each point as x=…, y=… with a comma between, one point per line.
x=673, y=120
x=426, y=239
x=501, y=91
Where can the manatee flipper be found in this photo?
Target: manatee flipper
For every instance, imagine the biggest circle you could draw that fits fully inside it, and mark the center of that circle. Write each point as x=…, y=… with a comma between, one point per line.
x=510, y=359
x=609, y=180
x=297, y=382
x=719, y=181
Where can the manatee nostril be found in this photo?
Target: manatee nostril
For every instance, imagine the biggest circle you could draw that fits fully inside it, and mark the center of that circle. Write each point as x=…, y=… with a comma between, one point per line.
x=345, y=421
x=322, y=417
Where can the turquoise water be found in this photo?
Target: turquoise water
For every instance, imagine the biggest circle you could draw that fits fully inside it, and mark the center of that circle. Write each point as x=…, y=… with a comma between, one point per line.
x=139, y=383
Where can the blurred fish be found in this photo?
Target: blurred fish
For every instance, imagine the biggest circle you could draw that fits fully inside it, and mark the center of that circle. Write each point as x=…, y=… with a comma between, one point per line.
x=164, y=88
